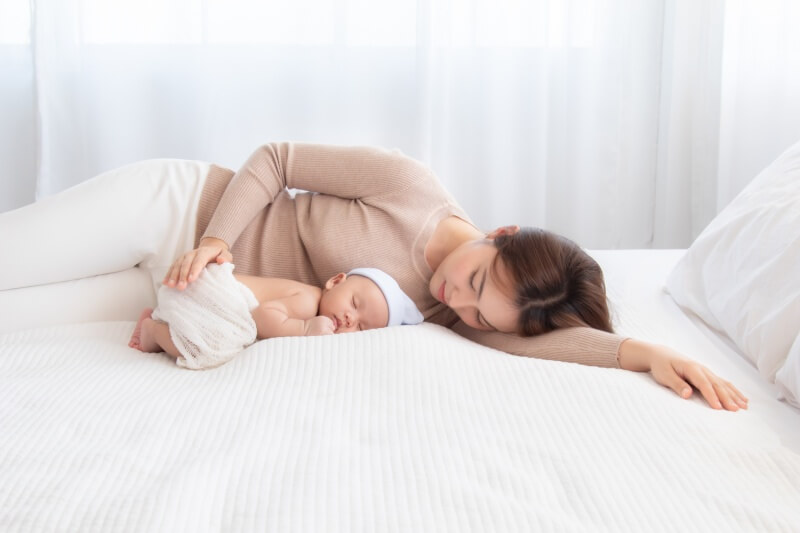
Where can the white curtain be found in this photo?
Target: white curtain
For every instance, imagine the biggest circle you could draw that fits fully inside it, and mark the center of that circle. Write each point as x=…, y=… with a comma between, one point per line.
x=619, y=123
x=17, y=123
x=728, y=106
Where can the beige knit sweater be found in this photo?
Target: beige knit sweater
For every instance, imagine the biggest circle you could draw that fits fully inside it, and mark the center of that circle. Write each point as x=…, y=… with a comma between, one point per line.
x=368, y=207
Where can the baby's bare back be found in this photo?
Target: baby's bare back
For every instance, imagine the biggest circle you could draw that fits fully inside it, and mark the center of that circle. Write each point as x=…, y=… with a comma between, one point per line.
x=300, y=299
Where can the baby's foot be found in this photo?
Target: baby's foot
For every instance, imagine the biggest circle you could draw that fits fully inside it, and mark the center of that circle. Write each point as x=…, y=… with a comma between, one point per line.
x=136, y=338
x=147, y=339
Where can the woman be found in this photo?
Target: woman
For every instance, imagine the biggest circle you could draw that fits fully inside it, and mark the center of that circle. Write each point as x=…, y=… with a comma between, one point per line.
x=378, y=207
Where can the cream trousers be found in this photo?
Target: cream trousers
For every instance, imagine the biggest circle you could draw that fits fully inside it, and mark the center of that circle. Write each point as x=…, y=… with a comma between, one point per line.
x=99, y=250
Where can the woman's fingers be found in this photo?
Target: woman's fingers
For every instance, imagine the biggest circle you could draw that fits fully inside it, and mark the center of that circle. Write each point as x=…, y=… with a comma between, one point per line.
x=725, y=397
x=674, y=381
x=724, y=393
x=199, y=262
x=188, y=267
x=168, y=275
x=171, y=279
x=719, y=394
x=731, y=396
x=682, y=374
x=183, y=275
x=696, y=374
x=178, y=272
x=737, y=395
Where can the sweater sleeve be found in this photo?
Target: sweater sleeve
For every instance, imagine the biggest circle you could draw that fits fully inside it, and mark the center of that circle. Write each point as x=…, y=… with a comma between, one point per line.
x=363, y=173
x=574, y=345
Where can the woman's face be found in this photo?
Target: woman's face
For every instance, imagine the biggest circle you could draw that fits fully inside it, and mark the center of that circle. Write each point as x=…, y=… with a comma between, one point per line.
x=354, y=303
x=467, y=282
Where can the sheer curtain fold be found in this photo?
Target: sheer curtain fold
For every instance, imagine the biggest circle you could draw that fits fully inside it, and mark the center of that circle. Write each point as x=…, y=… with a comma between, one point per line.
x=62, y=98
x=619, y=123
x=17, y=124
x=686, y=177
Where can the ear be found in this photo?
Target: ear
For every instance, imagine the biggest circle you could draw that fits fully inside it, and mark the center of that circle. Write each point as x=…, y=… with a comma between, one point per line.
x=503, y=230
x=335, y=280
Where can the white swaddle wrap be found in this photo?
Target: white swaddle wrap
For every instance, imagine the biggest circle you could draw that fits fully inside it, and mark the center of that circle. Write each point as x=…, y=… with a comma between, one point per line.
x=210, y=321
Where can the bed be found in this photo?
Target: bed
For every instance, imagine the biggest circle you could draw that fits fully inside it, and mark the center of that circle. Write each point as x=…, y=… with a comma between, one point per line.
x=400, y=429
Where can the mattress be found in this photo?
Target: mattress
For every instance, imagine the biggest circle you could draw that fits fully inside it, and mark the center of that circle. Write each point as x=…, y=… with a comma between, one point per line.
x=398, y=429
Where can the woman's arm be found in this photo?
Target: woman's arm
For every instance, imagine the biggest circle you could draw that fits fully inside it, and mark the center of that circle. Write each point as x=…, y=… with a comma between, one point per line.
x=598, y=348
x=574, y=345
x=363, y=173
x=347, y=172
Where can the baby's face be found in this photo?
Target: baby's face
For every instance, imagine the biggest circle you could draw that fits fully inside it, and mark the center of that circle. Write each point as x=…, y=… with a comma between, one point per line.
x=354, y=303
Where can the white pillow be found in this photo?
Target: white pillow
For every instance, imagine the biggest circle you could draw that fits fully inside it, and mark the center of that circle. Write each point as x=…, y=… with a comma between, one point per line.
x=742, y=274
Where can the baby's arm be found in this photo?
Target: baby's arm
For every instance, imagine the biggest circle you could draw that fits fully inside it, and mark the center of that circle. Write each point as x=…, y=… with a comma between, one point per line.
x=291, y=316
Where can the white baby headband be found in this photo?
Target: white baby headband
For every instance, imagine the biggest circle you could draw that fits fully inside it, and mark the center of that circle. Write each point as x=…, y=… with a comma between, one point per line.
x=402, y=310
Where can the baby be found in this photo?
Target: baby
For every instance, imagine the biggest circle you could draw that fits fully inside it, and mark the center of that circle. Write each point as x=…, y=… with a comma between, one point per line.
x=221, y=313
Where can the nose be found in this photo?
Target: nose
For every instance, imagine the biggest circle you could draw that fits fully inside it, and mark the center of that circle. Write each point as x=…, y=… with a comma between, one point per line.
x=348, y=319
x=461, y=298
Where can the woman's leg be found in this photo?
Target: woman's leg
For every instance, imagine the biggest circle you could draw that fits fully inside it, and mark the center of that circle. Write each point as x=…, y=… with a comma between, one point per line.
x=117, y=296
x=142, y=214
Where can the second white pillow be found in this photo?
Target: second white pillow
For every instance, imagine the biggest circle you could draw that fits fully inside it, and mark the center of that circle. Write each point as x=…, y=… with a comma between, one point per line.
x=742, y=274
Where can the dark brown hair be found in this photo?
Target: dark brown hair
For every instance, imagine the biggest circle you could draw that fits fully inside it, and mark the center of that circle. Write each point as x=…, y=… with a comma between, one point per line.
x=556, y=283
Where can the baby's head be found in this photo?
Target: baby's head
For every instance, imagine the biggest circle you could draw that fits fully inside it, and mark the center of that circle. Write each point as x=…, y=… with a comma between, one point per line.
x=366, y=298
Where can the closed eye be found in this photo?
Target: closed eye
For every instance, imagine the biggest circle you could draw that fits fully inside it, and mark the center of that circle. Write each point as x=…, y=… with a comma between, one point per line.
x=480, y=318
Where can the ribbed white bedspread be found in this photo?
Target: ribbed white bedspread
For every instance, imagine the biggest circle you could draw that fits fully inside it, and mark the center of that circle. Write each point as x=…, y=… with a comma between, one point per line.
x=401, y=429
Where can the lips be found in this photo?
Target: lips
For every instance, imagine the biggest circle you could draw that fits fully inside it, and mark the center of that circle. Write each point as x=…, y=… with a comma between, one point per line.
x=336, y=323
x=441, y=294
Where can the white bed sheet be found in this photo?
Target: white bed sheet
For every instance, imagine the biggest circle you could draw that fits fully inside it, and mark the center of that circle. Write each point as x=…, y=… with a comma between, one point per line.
x=643, y=309
x=400, y=429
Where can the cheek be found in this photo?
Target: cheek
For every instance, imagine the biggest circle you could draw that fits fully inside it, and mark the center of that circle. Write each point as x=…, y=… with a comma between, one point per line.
x=467, y=318
x=325, y=305
x=459, y=273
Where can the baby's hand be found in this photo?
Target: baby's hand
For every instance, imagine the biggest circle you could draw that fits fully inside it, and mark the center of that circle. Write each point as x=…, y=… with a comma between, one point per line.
x=319, y=325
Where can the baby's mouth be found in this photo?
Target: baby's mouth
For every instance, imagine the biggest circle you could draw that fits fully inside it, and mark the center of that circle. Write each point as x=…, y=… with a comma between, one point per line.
x=336, y=323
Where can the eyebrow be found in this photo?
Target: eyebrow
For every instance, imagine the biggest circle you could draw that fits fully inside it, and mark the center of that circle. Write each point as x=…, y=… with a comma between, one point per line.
x=480, y=292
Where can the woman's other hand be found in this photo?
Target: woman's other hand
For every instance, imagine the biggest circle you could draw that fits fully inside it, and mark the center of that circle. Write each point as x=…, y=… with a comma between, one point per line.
x=671, y=369
x=187, y=267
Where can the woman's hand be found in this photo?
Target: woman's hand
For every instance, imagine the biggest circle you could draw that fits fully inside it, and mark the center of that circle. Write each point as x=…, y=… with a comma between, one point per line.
x=671, y=369
x=187, y=267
